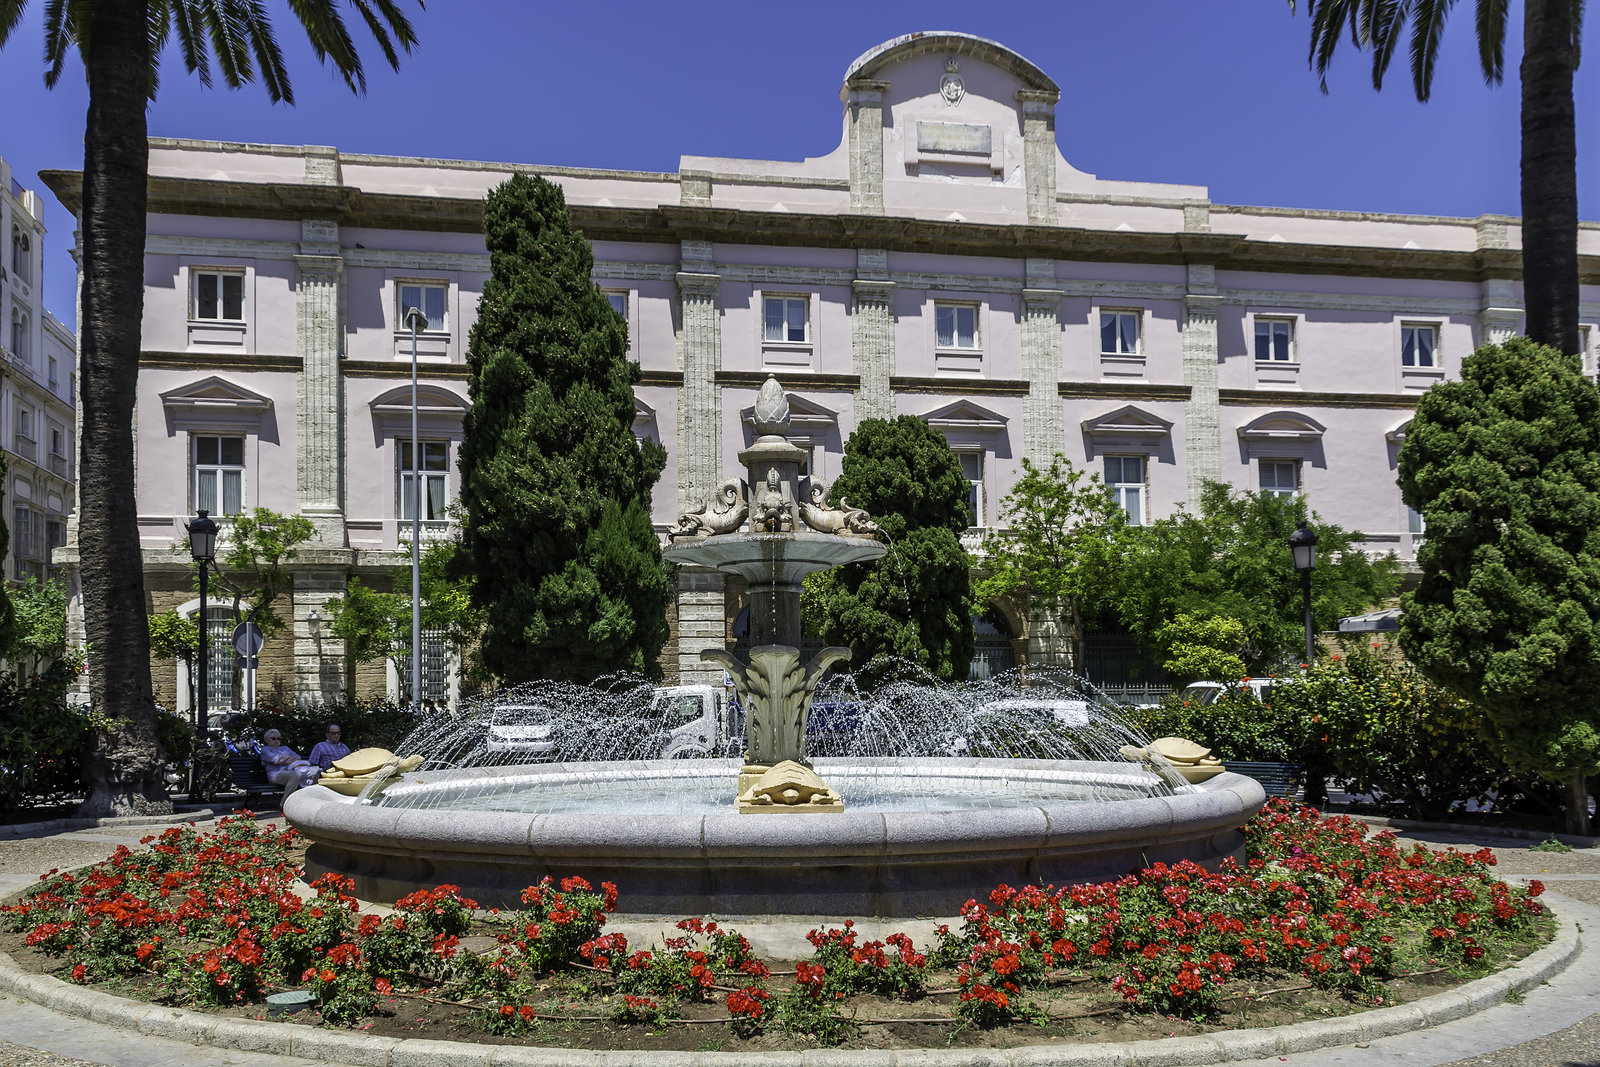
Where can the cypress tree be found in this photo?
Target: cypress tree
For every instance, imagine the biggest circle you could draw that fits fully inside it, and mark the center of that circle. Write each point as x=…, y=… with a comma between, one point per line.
x=555, y=486
x=916, y=602
x=1505, y=467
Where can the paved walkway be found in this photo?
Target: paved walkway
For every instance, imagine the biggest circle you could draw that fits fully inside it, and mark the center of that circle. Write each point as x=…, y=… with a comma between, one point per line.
x=1557, y=1025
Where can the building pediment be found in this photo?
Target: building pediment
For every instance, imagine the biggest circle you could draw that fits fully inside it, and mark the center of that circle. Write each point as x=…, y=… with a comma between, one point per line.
x=1127, y=421
x=215, y=395
x=1282, y=426
x=1397, y=435
x=805, y=416
x=965, y=415
x=432, y=400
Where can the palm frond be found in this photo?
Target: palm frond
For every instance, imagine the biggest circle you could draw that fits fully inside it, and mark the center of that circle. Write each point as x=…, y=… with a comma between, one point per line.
x=1427, y=26
x=269, y=57
x=1386, y=19
x=10, y=15
x=1577, y=32
x=192, y=41
x=159, y=21
x=330, y=39
x=225, y=25
x=1328, y=20
x=1491, y=25
x=395, y=18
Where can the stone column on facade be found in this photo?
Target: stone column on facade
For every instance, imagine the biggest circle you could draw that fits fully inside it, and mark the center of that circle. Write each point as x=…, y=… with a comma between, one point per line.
x=1050, y=638
x=1500, y=312
x=1039, y=152
x=872, y=334
x=319, y=335
x=1202, y=414
x=863, y=100
x=1043, y=432
x=319, y=656
x=701, y=622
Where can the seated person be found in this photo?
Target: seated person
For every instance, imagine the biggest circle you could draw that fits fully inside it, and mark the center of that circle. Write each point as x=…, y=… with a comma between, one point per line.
x=329, y=749
x=283, y=764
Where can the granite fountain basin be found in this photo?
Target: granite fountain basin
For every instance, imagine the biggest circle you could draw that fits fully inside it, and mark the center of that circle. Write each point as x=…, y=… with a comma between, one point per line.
x=687, y=852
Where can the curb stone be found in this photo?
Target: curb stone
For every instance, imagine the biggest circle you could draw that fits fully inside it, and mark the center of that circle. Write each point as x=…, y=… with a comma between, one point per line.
x=362, y=1050
x=1517, y=833
x=51, y=826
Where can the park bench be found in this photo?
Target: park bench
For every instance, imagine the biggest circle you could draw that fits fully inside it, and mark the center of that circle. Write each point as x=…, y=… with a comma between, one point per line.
x=249, y=777
x=1278, y=779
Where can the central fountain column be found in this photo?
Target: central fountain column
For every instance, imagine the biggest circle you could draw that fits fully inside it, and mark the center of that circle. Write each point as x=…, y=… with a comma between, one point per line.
x=773, y=557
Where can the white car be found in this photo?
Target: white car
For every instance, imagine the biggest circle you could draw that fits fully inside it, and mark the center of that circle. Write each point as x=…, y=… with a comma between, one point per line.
x=1066, y=712
x=1208, y=692
x=521, y=730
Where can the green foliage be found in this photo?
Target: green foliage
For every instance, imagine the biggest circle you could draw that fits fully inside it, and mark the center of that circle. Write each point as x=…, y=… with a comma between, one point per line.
x=916, y=602
x=1232, y=560
x=1550, y=844
x=377, y=625
x=1061, y=539
x=40, y=610
x=41, y=735
x=8, y=622
x=1203, y=648
x=253, y=569
x=1236, y=726
x=1380, y=726
x=555, y=486
x=1503, y=465
x=364, y=724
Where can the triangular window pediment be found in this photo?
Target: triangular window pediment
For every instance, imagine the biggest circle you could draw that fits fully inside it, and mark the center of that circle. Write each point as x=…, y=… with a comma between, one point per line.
x=804, y=415
x=1282, y=426
x=1127, y=421
x=216, y=394
x=965, y=415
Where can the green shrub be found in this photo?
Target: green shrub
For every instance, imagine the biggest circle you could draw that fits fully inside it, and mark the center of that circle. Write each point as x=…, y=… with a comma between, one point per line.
x=364, y=724
x=42, y=738
x=1236, y=726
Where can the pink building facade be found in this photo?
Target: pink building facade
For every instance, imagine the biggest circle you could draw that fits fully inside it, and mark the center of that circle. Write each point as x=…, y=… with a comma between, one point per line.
x=945, y=260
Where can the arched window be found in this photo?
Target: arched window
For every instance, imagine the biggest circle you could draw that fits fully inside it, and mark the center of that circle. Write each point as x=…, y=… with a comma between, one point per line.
x=19, y=336
x=21, y=254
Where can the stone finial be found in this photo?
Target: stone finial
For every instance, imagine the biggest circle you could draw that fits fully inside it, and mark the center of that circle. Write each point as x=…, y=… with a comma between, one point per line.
x=772, y=410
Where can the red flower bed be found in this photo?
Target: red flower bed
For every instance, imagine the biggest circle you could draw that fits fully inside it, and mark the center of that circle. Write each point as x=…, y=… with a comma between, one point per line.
x=218, y=918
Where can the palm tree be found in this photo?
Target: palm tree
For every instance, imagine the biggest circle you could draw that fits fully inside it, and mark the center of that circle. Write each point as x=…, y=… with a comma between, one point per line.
x=120, y=43
x=1549, y=141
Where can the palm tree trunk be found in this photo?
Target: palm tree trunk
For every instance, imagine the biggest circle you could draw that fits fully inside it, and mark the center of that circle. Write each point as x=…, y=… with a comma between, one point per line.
x=1549, y=175
x=1577, y=791
x=124, y=762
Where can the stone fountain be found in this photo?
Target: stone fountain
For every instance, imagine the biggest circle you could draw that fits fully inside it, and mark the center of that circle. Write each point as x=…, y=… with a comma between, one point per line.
x=772, y=534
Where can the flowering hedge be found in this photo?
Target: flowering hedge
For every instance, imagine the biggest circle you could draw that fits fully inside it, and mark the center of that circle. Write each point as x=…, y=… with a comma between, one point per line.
x=216, y=919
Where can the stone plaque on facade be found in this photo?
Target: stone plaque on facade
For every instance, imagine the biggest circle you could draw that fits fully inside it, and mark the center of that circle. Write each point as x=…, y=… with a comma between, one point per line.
x=954, y=137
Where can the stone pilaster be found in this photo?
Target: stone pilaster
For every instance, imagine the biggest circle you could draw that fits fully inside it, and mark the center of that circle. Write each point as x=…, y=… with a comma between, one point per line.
x=694, y=188
x=322, y=164
x=872, y=334
x=702, y=624
x=1043, y=434
x=1202, y=416
x=1050, y=638
x=319, y=656
x=319, y=333
x=1500, y=312
x=699, y=357
x=1039, y=152
x=863, y=100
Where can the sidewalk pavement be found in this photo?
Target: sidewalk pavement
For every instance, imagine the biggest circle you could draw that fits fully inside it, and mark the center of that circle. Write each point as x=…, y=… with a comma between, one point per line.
x=1556, y=1025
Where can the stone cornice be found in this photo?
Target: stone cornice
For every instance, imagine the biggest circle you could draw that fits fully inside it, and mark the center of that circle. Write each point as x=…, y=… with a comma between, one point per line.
x=377, y=368
x=901, y=383
x=658, y=378
x=792, y=381
x=212, y=361
x=677, y=222
x=1296, y=399
x=1122, y=391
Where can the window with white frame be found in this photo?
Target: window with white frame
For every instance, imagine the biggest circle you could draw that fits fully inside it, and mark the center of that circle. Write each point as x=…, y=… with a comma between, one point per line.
x=58, y=450
x=429, y=297
x=956, y=326
x=1274, y=340
x=28, y=549
x=1415, y=523
x=618, y=301
x=1280, y=477
x=1125, y=480
x=21, y=254
x=218, y=295
x=786, y=319
x=1583, y=347
x=1419, y=345
x=53, y=372
x=972, y=467
x=433, y=469
x=23, y=440
x=218, y=474
x=20, y=337
x=1119, y=333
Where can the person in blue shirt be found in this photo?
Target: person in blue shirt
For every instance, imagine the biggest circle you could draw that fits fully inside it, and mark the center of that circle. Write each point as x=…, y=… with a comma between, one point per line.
x=283, y=764
x=329, y=749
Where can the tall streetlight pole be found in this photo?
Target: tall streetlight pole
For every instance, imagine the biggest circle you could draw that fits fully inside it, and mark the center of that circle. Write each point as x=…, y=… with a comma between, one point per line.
x=203, y=547
x=415, y=320
x=1303, y=547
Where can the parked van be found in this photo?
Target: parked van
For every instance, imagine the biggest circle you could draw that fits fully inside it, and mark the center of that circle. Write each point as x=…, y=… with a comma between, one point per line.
x=1208, y=692
x=700, y=720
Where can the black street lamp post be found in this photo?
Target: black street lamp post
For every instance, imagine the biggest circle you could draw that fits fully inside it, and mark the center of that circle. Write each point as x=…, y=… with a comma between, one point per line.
x=1303, y=546
x=203, y=547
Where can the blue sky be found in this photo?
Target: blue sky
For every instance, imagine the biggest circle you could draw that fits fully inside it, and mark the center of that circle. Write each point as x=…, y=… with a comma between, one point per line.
x=1210, y=92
